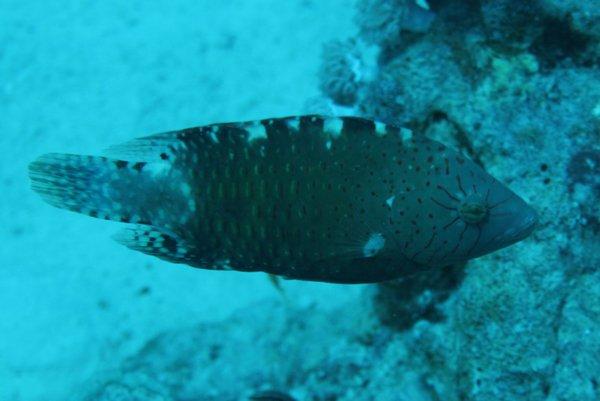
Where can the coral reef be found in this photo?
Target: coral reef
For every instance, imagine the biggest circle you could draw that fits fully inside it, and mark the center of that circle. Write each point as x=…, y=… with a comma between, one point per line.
x=478, y=353
x=329, y=356
x=340, y=72
x=514, y=85
x=382, y=22
x=583, y=16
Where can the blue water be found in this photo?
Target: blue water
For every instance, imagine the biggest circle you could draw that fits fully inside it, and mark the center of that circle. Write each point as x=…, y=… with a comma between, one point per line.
x=78, y=76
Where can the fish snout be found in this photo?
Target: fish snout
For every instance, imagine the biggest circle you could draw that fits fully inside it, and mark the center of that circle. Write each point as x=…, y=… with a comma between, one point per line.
x=515, y=220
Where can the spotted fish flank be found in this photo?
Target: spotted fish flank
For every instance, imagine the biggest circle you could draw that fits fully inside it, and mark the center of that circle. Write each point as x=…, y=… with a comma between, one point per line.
x=336, y=199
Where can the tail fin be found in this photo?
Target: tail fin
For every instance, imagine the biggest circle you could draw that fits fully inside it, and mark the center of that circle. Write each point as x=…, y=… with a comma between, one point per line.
x=100, y=187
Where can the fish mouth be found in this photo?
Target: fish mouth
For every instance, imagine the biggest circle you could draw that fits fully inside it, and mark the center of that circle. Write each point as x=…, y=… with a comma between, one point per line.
x=527, y=224
x=523, y=225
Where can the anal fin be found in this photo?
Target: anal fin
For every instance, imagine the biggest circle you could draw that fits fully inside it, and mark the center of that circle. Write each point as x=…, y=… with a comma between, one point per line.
x=156, y=242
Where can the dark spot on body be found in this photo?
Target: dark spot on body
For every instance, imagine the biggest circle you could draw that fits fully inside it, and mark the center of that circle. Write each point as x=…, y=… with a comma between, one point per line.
x=543, y=167
x=164, y=156
x=121, y=164
x=170, y=244
x=139, y=166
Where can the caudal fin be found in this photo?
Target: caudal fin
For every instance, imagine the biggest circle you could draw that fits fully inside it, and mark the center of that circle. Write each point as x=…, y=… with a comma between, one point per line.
x=97, y=186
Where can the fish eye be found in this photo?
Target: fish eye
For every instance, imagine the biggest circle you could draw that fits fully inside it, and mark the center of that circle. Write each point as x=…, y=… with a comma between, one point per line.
x=473, y=209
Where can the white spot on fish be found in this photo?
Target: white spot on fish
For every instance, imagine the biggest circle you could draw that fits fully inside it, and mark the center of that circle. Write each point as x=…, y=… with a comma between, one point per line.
x=390, y=200
x=256, y=131
x=293, y=123
x=186, y=189
x=423, y=4
x=374, y=244
x=156, y=169
x=406, y=134
x=224, y=264
x=380, y=128
x=333, y=126
x=328, y=145
x=213, y=133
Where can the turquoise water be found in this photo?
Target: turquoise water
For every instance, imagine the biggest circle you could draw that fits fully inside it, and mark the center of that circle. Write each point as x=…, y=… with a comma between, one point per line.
x=79, y=76
x=514, y=86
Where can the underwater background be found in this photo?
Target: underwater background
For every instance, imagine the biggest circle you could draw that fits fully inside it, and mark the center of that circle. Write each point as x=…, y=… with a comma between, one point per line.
x=514, y=85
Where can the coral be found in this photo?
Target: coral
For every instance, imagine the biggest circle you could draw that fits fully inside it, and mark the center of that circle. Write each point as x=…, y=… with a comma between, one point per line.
x=583, y=16
x=306, y=353
x=118, y=391
x=402, y=303
x=515, y=23
x=577, y=372
x=340, y=72
x=382, y=101
x=514, y=85
x=382, y=21
x=504, y=339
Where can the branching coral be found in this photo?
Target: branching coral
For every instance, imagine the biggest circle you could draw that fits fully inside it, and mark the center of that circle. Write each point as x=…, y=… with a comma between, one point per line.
x=381, y=21
x=340, y=72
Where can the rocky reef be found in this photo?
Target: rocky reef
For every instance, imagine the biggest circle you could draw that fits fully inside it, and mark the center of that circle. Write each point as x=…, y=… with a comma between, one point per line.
x=515, y=86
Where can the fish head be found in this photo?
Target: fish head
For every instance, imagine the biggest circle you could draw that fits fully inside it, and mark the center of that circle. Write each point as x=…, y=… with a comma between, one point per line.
x=499, y=215
x=456, y=211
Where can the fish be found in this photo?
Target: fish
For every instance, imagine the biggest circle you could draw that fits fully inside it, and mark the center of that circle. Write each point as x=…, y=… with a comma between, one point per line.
x=311, y=197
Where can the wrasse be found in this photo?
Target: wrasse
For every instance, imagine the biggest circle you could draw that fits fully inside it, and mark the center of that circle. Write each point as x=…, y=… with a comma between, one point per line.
x=333, y=199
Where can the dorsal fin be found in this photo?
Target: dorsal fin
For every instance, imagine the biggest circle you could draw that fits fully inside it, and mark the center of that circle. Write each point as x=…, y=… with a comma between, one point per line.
x=164, y=146
x=154, y=148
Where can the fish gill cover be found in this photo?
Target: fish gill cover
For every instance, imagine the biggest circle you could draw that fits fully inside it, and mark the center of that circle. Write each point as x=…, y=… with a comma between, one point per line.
x=516, y=87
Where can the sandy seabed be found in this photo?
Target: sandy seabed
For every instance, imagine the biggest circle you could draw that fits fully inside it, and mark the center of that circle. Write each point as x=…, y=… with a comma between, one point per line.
x=77, y=76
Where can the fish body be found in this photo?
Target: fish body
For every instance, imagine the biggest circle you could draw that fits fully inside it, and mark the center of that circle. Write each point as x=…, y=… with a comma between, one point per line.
x=334, y=199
